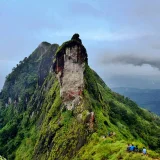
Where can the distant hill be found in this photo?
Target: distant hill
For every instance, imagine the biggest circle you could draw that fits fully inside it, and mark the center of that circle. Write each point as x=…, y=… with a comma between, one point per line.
x=146, y=98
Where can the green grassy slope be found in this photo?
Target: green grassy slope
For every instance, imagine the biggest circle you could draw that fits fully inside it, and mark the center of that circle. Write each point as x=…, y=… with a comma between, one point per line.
x=45, y=130
x=20, y=86
x=55, y=133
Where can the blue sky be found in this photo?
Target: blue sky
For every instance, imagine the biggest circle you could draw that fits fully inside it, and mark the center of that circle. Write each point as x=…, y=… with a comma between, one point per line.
x=108, y=29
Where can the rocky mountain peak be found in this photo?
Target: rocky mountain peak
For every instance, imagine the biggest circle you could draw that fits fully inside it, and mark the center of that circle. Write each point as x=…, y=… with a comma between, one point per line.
x=69, y=67
x=70, y=113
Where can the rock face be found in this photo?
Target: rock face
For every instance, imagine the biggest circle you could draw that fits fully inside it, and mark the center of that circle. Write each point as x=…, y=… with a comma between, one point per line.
x=69, y=66
x=72, y=82
x=46, y=63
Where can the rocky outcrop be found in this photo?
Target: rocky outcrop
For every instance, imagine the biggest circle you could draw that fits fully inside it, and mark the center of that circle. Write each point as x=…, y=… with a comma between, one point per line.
x=69, y=66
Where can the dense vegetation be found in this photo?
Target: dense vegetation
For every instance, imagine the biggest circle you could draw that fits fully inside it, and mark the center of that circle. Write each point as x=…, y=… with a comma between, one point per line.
x=17, y=92
x=41, y=128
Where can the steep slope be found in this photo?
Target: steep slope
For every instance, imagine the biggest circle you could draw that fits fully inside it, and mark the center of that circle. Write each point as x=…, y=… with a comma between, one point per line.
x=18, y=89
x=71, y=111
x=21, y=83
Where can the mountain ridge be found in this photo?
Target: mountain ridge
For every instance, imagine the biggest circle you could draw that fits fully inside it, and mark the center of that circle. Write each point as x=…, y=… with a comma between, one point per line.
x=52, y=120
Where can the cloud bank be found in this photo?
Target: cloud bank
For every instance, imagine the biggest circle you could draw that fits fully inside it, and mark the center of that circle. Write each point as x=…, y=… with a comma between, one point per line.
x=135, y=60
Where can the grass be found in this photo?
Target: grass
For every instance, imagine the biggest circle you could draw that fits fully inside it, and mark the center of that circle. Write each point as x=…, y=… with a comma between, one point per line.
x=26, y=149
x=99, y=148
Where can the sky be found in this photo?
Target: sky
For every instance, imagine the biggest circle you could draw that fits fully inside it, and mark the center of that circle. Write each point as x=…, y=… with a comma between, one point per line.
x=122, y=37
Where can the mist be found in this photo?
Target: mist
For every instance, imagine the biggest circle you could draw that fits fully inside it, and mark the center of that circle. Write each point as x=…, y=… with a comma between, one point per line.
x=135, y=60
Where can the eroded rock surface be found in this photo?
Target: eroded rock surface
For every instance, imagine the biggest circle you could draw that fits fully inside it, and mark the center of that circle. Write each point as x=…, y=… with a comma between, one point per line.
x=70, y=65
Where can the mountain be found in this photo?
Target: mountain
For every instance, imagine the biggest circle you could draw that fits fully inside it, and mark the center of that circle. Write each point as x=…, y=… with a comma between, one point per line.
x=146, y=98
x=53, y=106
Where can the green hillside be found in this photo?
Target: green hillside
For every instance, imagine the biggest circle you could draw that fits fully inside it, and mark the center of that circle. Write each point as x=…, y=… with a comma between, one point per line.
x=39, y=126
